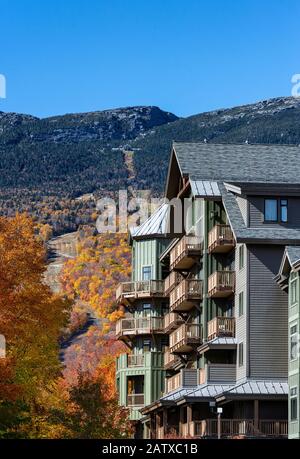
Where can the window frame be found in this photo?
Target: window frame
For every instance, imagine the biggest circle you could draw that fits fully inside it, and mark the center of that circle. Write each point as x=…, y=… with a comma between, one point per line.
x=291, y=343
x=241, y=257
x=279, y=207
x=147, y=340
x=271, y=199
x=146, y=266
x=241, y=304
x=293, y=398
x=241, y=354
x=293, y=289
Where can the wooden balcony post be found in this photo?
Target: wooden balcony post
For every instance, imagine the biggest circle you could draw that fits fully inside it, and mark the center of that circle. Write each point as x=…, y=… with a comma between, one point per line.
x=189, y=417
x=181, y=420
x=256, y=414
x=165, y=421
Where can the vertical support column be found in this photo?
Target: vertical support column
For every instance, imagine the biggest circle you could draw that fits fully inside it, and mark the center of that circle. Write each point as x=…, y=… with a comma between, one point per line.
x=157, y=424
x=256, y=414
x=189, y=417
x=181, y=420
x=165, y=421
x=152, y=427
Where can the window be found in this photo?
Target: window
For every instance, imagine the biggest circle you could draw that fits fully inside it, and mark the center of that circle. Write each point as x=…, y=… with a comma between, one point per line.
x=293, y=342
x=241, y=354
x=146, y=273
x=271, y=214
x=241, y=304
x=241, y=257
x=283, y=210
x=147, y=307
x=294, y=285
x=276, y=210
x=293, y=404
x=147, y=345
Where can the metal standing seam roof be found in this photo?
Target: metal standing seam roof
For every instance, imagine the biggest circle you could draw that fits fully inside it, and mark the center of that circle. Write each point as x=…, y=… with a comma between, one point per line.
x=259, y=387
x=208, y=390
x=156, y=224
x=239, y=162
x=177, y=394
x=205, y=188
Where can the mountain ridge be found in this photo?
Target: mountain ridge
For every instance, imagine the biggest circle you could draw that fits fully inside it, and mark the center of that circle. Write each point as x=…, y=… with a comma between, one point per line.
x=46, y=164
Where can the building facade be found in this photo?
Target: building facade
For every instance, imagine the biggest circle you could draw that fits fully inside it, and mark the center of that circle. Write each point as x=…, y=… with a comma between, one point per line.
x=224, y=324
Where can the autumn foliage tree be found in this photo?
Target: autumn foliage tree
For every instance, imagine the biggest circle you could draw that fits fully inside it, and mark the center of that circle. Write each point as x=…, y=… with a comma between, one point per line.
x=31, y=319
x=102, y=262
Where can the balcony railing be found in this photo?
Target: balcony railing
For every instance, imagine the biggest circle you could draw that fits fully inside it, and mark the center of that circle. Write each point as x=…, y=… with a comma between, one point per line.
x=186, y=377
x=135, y=400
x=135, y=360
x=170, y=360
x=183, y=296
x=220, y=239
x=185, y=252
x=217, y=373
x=171, y=281
x=139, y=326
x=172, y=321
x=185, y=338
x=220, y=326
x=140, y=289
x=230, y=428
x=221, y=284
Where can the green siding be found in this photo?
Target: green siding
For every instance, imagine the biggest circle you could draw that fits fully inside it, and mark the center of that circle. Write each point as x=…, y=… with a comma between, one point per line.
x=294, y=365
x=154, y=376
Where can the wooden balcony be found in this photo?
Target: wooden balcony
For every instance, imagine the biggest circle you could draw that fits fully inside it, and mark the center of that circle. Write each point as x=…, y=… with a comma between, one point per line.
x=221, y=284
x=220, y=326
x=135, y=400
x=126, y=328
x=135, y=360
x=171, y=281
x=186, y=338
x=185, y=253
x=239, y=428
x=129, y=291
x=184, y=296
x=219, y=373
x=186, y=377
x=172, y=321
x=170, y=360
x=220, y=239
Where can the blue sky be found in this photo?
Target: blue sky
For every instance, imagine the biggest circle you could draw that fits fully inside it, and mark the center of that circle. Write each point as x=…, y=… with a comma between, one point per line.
x=184, y=56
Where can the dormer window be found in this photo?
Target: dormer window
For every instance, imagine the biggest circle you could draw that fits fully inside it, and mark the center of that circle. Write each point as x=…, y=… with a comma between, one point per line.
x=276, y=210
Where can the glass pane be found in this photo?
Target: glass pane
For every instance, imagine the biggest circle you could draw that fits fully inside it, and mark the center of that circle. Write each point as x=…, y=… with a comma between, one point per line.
x=293, y=409
x=146, y=273
x=283, y=207
x=271, y=210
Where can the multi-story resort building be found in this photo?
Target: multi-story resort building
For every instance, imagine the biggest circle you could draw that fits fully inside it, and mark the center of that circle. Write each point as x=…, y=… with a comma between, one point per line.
x=212, y=316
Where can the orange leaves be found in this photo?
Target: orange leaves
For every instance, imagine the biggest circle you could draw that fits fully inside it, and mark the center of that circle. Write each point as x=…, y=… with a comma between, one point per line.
x=31, y=317
x=103, y=261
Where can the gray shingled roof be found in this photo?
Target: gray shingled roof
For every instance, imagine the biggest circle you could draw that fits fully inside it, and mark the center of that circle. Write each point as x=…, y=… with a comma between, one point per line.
x=293, y=253
x=244, y=163
x=155, y=225
x=245, y=234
